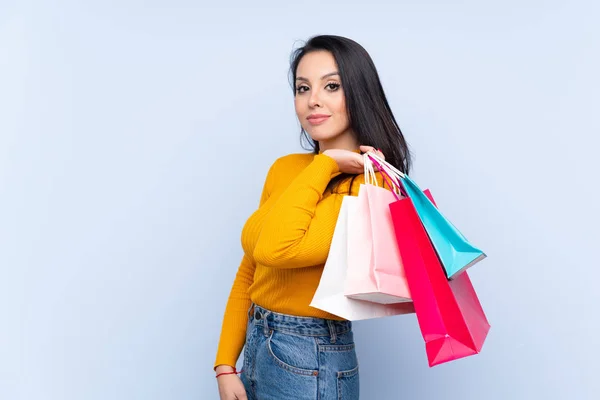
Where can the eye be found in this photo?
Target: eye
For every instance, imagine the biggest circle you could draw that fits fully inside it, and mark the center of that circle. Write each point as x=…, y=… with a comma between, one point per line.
x=301, y=88
x=333, y=86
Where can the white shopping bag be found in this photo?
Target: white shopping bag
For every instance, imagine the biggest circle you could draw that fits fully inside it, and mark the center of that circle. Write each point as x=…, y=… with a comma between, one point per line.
x=329, y=295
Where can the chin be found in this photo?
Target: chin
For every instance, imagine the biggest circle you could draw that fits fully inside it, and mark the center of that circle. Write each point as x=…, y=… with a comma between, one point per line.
x=320, y=136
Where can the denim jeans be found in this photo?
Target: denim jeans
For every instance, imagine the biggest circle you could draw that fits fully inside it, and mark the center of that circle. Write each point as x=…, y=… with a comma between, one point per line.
x=299, y=358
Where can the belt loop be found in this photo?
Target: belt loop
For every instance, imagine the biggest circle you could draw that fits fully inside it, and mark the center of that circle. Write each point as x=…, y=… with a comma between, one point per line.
x=332, y=332
x=250, y=311
x=265, y=323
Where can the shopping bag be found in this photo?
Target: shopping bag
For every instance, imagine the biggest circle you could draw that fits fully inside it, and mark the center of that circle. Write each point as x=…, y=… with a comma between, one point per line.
x=454, y=250
x=451, y=319
x=329, y=295
x=375, y=271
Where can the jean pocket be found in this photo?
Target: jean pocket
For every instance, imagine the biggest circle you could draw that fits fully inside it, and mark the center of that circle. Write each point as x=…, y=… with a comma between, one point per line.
x=296, y=354
x=338, y=357
x=348, y=384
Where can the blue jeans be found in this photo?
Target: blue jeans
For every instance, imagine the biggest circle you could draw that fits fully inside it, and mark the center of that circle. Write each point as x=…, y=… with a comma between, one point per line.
x=299, y=358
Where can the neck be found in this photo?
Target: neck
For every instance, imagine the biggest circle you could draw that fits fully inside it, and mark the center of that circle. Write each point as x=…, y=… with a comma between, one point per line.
x=345, y=141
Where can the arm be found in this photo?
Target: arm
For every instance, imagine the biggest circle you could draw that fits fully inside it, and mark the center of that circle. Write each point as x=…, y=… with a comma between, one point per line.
x=293, y=235
x=233, y=330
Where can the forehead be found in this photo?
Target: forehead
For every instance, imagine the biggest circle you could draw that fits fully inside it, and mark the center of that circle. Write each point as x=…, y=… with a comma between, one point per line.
x=316, y=64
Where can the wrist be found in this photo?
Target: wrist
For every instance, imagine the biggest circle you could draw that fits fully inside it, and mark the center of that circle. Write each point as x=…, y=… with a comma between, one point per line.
x=330, y=162
x=224, y=368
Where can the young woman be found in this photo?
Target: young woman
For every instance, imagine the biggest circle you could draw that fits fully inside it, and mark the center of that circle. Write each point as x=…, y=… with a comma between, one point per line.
x=294, y=351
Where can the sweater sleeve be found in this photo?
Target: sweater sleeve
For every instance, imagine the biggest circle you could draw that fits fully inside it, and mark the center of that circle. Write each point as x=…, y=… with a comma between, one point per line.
x=233, y=329
x=293, y=235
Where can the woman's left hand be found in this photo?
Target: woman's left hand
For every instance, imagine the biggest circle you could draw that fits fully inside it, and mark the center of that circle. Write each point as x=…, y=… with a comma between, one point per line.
x=367, y=149
x=350, y=162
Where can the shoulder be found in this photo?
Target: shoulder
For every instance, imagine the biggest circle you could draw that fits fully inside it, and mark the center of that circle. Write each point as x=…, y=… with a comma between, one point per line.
x=293, y=159
x=288, y=165
x=291, y=163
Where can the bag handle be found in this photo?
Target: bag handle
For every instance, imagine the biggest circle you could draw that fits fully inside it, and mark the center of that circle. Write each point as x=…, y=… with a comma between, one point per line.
x=390, y=177
x=369, y=173
x=386, y=164
x=370, y=178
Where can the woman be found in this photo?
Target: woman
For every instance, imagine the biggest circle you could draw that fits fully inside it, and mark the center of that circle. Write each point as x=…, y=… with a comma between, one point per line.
x=294, y=351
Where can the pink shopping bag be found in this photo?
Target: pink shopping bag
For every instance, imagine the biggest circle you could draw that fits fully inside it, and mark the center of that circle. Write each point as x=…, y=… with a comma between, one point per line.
x=450, y=315
x=375, y=272
x=329, y=295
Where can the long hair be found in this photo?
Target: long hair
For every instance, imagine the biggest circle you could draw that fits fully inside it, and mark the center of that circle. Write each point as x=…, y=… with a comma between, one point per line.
x=369, y=113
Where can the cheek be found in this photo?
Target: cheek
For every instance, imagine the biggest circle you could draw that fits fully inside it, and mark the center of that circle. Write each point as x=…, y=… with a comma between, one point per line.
x=340, y=108
x=301, y=112
x=299, y=106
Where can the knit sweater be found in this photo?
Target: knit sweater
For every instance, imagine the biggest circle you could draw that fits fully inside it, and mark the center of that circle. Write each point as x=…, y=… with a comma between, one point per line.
x=286, y=242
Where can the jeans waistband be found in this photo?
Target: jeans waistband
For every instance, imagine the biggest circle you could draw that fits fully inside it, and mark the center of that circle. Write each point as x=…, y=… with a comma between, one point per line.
x=306, y=326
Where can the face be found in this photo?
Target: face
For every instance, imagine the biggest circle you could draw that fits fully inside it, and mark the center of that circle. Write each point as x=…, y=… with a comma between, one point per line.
x=320, y=102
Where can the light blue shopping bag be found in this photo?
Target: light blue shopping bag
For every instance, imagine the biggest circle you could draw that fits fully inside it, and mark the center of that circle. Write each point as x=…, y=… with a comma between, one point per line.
x=453, y=249
x=455, y=252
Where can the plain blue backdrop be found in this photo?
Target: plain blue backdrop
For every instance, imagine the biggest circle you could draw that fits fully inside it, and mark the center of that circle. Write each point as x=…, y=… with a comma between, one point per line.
x=135, y=137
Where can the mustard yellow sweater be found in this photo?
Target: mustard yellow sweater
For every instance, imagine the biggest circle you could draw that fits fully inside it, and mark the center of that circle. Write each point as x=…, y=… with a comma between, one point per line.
x=286, y=243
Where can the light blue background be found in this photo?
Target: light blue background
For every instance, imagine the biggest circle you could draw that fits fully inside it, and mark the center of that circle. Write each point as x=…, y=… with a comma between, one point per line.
x=135, y=137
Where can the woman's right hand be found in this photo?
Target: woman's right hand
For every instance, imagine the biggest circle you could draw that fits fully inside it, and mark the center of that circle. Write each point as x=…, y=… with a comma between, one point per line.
x=230, y=386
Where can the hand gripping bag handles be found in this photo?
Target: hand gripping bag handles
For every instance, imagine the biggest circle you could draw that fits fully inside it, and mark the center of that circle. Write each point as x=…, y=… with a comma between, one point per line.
x=451, y=319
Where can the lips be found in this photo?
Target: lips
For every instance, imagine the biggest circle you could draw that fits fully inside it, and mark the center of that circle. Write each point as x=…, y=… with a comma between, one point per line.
x=317, y=119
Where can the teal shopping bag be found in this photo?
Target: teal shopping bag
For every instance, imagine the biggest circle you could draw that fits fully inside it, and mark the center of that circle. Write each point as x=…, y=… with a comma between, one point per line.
x=455, y=252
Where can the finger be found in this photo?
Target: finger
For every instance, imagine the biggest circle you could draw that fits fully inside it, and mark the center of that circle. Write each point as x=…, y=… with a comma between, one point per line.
x=379, y=153
x=368, y=149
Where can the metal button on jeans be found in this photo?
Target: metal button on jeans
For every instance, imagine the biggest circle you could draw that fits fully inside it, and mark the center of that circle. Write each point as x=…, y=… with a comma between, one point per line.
x=257, y=315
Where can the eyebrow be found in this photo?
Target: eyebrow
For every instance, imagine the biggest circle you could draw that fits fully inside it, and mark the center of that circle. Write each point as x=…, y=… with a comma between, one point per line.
x=300, y=78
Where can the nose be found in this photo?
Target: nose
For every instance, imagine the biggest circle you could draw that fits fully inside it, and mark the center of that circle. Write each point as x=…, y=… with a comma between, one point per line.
x=314, y=100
